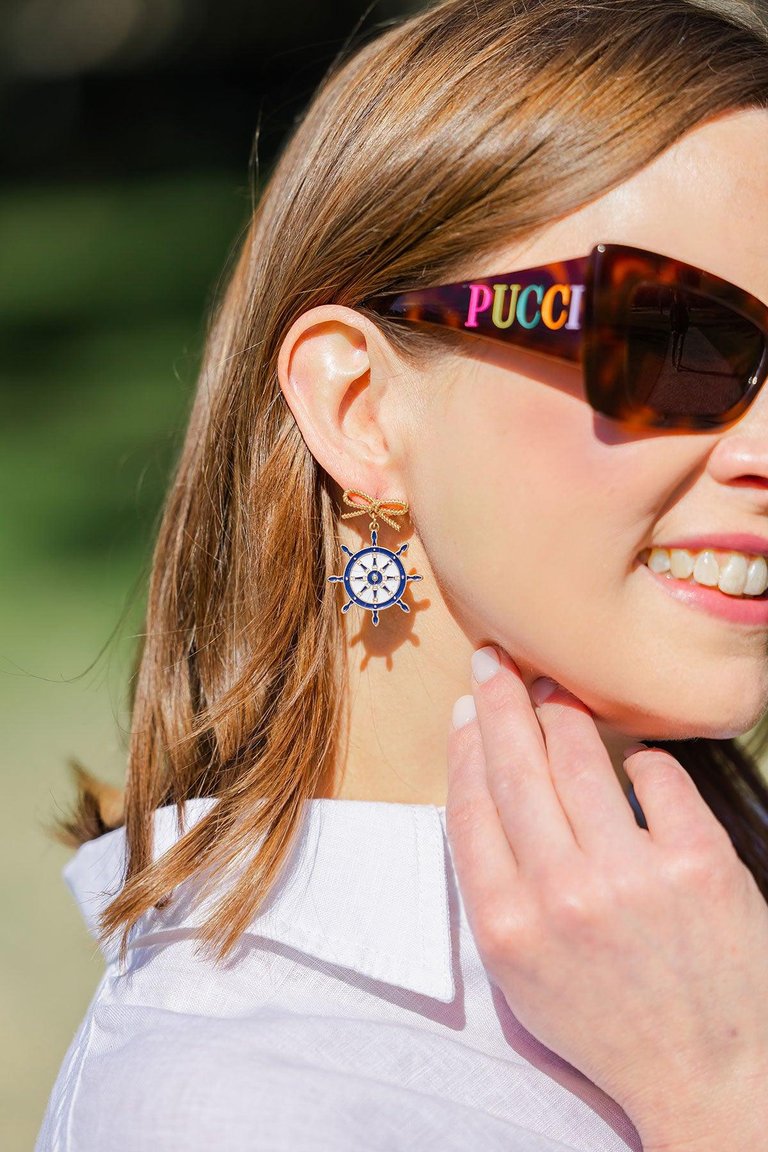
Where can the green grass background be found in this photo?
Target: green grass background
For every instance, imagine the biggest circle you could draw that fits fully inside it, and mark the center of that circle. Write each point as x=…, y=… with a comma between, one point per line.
x=104, y=293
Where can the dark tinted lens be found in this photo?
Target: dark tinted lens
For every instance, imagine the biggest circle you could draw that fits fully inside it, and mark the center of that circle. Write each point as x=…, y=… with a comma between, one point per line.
x=687, y=354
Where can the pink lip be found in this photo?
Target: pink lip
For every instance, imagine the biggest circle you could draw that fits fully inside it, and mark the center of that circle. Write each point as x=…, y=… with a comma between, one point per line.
x=736, y=542
x=736, y=609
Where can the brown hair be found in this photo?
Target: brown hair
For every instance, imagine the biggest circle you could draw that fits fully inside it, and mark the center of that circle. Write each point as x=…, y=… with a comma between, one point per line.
x=464, y=127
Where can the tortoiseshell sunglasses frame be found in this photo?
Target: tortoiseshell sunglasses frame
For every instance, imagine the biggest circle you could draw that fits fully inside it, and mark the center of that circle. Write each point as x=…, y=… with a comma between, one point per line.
x=594, y=295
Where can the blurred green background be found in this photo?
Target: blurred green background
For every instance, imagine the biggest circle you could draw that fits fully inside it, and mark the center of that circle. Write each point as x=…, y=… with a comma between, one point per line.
x=127, y=131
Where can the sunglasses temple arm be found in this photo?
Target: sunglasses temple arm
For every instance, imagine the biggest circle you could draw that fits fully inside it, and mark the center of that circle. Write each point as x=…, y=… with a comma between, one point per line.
x=540, y=309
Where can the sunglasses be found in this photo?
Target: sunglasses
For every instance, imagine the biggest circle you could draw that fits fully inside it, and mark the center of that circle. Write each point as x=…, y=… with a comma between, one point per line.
x=662, y=344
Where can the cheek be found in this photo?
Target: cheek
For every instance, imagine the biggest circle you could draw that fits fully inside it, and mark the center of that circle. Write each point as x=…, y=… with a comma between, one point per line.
x=518, y=478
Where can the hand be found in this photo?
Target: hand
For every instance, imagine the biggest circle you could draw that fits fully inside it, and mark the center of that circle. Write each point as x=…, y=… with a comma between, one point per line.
x=638, y=955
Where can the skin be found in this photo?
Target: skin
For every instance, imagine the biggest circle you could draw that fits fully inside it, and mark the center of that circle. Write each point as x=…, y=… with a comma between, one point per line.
x=528, y=510
x=507, y=469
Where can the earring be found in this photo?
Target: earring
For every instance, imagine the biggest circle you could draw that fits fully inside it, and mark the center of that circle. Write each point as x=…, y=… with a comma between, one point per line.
x=374, y=577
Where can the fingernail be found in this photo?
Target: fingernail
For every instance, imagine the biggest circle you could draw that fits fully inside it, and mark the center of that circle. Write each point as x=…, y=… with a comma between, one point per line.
x=485, y=663
x=542, y=689
x=463, y=711
x=632, y=748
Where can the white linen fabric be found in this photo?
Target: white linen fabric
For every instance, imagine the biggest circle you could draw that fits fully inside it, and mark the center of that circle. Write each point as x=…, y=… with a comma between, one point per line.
x=355, y=1015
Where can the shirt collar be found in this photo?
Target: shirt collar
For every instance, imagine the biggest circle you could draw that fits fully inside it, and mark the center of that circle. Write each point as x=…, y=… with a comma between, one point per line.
x=370, y=893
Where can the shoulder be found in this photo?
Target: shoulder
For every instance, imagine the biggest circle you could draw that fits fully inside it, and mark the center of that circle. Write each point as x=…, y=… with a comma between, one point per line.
x=154, y=1078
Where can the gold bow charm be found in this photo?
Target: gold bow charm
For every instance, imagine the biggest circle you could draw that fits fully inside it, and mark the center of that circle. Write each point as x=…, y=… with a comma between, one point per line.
x=375, y=507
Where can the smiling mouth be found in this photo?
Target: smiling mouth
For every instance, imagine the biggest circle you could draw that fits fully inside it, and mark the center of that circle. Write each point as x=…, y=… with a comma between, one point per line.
x=707, y=569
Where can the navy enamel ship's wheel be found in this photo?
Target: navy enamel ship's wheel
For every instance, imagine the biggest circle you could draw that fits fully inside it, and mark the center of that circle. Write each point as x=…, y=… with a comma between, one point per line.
x=374, y=578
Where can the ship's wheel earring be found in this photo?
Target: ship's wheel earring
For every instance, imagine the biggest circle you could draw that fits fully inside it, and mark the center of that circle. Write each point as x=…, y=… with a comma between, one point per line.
x=374, y=577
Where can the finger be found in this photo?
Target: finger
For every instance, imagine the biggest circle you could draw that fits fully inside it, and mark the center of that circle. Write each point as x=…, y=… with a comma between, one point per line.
x=598, y=811
x=518, y=773
x=675, y=811
x=484, y=861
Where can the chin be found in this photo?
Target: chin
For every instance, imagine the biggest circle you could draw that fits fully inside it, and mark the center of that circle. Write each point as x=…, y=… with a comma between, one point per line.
x=726, y=727
x=716, y=722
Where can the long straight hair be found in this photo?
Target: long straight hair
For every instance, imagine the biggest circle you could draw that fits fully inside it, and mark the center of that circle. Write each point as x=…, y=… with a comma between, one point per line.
x=460, y=129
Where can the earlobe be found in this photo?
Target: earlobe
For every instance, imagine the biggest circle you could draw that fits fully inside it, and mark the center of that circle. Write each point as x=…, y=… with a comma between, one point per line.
x=324, y=370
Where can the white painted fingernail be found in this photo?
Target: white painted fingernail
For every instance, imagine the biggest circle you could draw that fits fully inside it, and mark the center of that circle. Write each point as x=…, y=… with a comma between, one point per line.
x=463, y=711
x=485, y=663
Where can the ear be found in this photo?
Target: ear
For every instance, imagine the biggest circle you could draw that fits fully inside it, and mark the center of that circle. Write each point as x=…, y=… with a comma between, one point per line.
x=336, y=372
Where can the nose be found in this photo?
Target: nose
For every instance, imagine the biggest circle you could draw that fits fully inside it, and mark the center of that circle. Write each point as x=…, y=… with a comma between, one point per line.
x=740, y=455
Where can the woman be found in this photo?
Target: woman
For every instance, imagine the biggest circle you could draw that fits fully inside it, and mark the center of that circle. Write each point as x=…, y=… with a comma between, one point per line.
x=444, y=330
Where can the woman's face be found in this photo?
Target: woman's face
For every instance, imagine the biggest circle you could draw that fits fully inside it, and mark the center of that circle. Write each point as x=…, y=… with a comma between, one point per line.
x=534, y=509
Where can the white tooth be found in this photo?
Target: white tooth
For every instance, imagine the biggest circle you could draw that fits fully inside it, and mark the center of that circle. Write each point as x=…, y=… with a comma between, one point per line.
x=658, y=561
x=681, y=562
x=706, y=569
x=757, y=576
x=733, y=575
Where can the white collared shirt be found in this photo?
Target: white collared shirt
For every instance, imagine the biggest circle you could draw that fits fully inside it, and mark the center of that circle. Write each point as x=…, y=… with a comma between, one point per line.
x=355, y=1016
